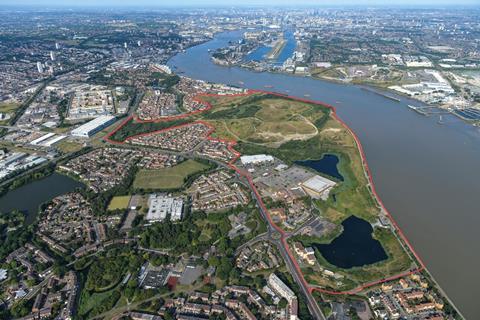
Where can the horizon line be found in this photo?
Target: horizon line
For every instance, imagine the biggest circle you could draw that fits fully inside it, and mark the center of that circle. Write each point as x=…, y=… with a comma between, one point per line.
x=219, y=6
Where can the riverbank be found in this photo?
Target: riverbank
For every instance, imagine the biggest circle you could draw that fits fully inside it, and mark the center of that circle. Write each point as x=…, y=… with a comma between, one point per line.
x=399, y=145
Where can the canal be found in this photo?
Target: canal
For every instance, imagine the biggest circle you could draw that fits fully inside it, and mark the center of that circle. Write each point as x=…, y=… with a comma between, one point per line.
x=425, y=173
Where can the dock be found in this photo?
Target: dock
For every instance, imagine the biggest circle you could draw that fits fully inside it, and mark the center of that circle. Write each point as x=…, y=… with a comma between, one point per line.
x=382, y=94
x=428, y=110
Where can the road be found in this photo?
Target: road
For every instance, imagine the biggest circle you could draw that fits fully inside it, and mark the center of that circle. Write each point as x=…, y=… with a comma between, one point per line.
x=279, y=238
x=39, y=286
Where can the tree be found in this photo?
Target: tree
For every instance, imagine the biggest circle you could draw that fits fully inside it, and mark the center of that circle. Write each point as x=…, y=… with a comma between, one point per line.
x=283, y=303
x=223, y=269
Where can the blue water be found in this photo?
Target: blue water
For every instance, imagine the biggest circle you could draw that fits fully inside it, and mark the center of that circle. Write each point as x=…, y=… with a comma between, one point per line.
x=29, y=197
x=355, y=247
x=287, y=51
x=258, y=54
x=289, y=48
x=327, y=165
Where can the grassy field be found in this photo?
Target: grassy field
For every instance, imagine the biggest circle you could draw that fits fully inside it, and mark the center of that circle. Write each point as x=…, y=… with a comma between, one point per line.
x=119, y=202
x=167, y=178
x=262, y=120
x=67, y=146
x=8, y=107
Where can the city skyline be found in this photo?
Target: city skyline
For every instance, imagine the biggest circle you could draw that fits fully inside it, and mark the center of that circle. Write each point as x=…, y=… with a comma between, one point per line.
x=217, y=3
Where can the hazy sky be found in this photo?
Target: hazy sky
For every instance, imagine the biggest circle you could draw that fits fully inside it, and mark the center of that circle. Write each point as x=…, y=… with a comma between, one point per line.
x=200, y=3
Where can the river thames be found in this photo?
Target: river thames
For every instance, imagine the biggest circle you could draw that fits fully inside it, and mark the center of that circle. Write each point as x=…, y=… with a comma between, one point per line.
x=427, y=174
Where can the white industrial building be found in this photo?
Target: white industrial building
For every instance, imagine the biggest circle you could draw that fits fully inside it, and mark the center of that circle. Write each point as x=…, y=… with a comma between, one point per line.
x=17, y=162
x=256, y=159
x=159, y=206
x=318, y=187
x=90, y=128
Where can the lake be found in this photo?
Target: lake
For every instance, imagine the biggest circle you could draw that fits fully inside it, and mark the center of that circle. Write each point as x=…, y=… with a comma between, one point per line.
x=425, y=173
x=354, y=247
x=327, y=165
x=29, y=197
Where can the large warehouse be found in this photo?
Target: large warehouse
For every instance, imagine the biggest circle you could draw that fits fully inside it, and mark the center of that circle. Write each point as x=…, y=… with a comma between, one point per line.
x=256, y=159
x=90, y=128
x=318, y=187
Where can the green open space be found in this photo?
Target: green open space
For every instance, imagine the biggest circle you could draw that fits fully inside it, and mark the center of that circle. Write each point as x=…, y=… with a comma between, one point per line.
x=8, y=107
x=168, y=178
x=119, y=202
x=101, y=279
x=261, y=119
x=67, y=146
x=132, y=128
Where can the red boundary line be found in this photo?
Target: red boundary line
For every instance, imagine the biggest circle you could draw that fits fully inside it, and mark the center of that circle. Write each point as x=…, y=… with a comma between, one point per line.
x=231, y=143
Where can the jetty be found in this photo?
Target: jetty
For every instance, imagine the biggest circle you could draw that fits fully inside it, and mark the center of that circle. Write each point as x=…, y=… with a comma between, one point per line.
x=381, y=94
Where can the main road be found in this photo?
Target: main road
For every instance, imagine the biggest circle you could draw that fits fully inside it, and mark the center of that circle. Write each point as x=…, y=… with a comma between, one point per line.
x=278, y=237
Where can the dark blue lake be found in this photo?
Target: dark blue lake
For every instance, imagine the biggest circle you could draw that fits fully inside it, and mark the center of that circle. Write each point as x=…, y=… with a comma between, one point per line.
x=29, y=197
x=327, y=165
x=355, y=247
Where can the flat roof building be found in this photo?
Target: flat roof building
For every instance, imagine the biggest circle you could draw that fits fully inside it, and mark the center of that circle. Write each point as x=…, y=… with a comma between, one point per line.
x=159, y=206
x=90, y=128
x=281, y=288
x=318, y=187
x=3, y=274
x=256, y=159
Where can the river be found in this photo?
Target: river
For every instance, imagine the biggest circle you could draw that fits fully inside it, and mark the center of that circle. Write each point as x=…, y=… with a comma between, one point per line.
x=425, y=173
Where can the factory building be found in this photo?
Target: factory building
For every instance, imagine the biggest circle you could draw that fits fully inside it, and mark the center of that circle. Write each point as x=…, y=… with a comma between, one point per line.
x=90, y=128
x=256, y=159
